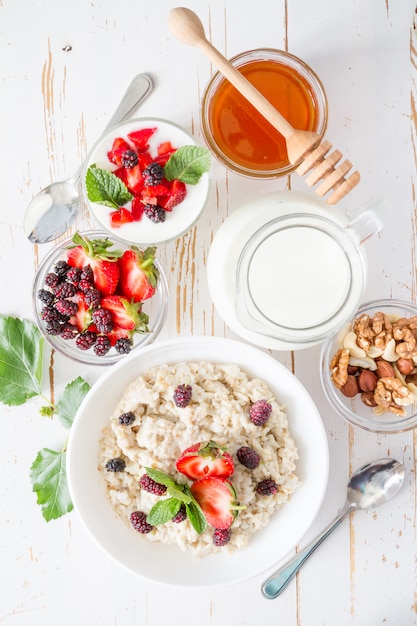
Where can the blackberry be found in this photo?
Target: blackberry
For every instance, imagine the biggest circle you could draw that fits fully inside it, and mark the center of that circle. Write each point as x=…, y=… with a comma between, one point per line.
x=221, y=536
x=68, y=331
x=116, y=465
x=87, y=273
x=267, y=487
x=92, y=297
x=86, y=340
x=45, y=296
x=103, y=320
x=84, y=285
x=153, y=174
x=182, y=395
x=127, y=418
x=53, y=328
x=61, y=268
x=155, y=213
x=74, y=275
x=139, y=523
x=123, y=345
x=66, y=307
x=50, y=314
x=102, y=345
x=129, y=159
x=180, y=516
x=52, y=280
x=151, y=486
x=65, y=290
x=260, y=412
x=248, y=457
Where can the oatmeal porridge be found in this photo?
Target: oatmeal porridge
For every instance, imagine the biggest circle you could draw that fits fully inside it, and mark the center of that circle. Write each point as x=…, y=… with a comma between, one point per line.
x=157, y=428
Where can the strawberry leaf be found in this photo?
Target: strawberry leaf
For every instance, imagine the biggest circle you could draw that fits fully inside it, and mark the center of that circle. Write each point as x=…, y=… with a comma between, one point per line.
x=187, y=164
x=21, y=350
x=49, y=482
x=163, y=511
x=71, y=399
x=106, y=188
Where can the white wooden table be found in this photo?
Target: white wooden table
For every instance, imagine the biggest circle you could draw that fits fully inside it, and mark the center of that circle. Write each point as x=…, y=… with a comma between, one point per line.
x=63, y=68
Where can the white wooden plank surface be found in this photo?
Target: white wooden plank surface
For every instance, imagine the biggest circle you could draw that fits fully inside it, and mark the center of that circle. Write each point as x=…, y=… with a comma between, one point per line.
x=54, y=104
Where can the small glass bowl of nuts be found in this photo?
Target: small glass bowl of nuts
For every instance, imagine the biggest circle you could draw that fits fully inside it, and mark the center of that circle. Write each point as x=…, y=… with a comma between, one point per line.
x=369, y=370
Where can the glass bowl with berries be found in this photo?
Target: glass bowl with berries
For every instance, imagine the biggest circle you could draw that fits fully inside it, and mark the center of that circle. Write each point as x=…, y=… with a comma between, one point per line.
x=369, y=370
x=96, y=300
x=147, y=182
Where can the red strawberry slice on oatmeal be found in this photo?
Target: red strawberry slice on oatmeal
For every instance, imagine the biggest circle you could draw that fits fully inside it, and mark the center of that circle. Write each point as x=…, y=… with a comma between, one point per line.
x=217, y=499
x=205, y=459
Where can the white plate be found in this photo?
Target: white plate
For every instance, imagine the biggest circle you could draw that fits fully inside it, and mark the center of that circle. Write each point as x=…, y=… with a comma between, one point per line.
x=167, y=564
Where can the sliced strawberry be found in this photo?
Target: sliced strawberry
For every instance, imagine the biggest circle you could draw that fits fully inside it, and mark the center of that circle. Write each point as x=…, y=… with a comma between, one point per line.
x=165, y=147
x=141, y=137
x=119, y=146
x=134, y=179
x=176, y=194
x=205, y=459
x=137, y=209
x=103, y=262
x=138, y=274
x=155, y=191
x=144, y=159
x=126, y=315
x=120, y=217
x=217, y=499
x=82, y=319
x=121, y=172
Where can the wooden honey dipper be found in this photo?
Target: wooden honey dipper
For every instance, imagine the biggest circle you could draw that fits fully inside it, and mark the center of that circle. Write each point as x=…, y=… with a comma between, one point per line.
x=302, y=145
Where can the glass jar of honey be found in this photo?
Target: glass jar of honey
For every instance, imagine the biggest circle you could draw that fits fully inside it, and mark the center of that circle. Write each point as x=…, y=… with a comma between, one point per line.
x=238, y=135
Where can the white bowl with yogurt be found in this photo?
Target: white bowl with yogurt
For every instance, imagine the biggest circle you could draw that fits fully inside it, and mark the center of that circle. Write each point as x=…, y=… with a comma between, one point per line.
x=182, y=217
x=286, y=272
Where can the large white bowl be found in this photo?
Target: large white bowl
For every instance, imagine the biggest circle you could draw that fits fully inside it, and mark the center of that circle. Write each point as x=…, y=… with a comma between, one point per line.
x=167, y=565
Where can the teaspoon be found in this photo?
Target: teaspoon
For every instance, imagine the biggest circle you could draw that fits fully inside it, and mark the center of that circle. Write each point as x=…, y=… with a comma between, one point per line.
x=371, y=485
x=52, y=210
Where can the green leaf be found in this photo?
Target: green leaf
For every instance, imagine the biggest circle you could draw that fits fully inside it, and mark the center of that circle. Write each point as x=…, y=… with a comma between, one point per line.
x=163, y=511
x=49, y=482
x=178, y=493
x=196, y=517
x=161, y=477
x=106, y=188
x=21, y=350
x=187, y=164
x=71, y=399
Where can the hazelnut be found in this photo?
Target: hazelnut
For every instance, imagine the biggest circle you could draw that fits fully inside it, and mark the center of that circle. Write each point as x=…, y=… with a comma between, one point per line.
x=368, y=398
x=384, y=369
x=367, y=380
x=350, y=388
x=405, y=366
x=353, y=369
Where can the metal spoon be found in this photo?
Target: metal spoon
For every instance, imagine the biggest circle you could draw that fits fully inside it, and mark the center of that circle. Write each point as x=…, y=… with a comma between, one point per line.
x=371, y=485
x=52, y=211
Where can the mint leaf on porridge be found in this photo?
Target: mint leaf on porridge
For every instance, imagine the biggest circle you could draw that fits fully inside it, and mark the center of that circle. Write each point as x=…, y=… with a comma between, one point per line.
x=70, y=400
x=196, y=517
x=49, y=482
x=161, y=477
x=163, y=511
x=21, y=350
x=187, y=164
x=106, y=188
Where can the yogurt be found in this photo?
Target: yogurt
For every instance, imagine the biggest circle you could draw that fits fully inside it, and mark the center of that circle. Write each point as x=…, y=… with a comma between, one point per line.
x=181, y=218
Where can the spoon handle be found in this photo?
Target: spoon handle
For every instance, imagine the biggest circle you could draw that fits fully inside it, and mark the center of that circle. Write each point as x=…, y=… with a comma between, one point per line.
x=138, y=90
x=276, y=583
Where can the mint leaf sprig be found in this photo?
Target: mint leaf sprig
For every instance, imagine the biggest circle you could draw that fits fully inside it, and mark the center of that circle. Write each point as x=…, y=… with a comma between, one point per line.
x=187, y=164
x=21, y=360
x=164, y=510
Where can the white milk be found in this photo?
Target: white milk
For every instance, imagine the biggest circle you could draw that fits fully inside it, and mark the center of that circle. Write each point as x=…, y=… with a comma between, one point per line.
x=299, y=277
